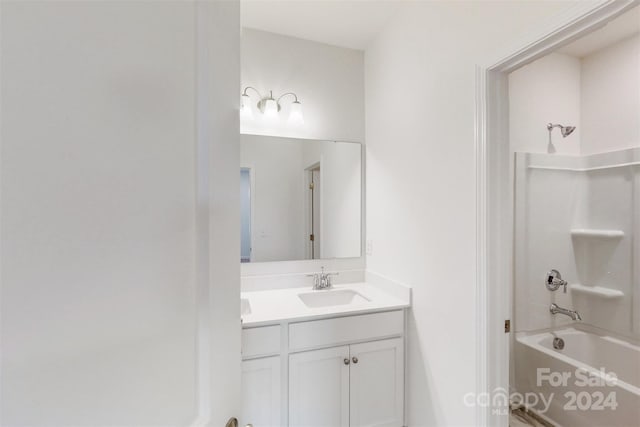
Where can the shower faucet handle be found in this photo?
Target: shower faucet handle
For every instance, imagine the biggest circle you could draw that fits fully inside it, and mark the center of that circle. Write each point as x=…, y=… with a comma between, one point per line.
x=554, y=281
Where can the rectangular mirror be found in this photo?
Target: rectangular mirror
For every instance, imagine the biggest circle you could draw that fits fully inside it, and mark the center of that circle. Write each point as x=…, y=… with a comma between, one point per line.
x=300, y=199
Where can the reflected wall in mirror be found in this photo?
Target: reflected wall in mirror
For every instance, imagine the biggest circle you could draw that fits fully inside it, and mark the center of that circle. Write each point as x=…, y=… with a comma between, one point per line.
x=300, y=199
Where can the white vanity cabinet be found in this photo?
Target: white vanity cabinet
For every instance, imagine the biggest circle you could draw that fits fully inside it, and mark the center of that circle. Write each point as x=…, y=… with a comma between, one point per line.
x=261, y=377
x=376, y=383
x=261, y=391
x=319, y=388
x=356, y=385
x=336, y=371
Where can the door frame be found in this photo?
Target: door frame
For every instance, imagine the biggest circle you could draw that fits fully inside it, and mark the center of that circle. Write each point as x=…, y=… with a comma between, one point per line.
x=252, y=182
x=307, y=208
x=494, y=190
x=217, y=224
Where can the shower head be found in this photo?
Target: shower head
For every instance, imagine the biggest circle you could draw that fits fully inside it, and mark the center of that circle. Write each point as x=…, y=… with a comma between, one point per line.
x=564, y=130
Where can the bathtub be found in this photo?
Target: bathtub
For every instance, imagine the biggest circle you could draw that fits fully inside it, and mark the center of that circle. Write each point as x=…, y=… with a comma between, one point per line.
x=593, y=381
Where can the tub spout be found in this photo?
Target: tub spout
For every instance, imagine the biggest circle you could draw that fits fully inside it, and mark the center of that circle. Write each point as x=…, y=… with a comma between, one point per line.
x=555, y=309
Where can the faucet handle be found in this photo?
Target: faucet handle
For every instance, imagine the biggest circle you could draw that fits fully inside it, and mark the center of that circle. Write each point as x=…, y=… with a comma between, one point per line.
x=554, y=281
x=316, y=279
x=328, y=277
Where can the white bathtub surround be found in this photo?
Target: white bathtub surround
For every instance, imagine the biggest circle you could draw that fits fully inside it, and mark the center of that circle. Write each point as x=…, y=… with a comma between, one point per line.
x=588, y=361
x=276, y=305
x=576, y=214
x=592, y=232
x=597, y=291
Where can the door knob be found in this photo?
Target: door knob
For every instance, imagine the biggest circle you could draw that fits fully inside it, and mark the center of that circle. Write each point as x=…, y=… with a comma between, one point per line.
x=233, y=422
x=346, y=360
x=354, y=359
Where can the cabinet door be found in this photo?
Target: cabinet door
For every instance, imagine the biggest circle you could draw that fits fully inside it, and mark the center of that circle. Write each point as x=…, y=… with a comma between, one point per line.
x=319, y=388
x=261, y=393
x=377, y=384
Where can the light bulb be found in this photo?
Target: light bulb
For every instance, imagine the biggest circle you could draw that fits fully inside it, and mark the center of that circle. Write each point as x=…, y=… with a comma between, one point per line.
x=295, y=115
x=246, y=112
x=271, y=109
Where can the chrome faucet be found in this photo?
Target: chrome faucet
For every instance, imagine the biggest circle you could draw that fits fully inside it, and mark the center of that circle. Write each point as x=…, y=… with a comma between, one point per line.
x=322, y=280
x=555, y=309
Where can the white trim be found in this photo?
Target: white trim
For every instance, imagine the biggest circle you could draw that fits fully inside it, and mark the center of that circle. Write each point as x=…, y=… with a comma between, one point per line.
x=493, y=205
x=563, y=28
x=308, y=227
x=481, y=238
x=251, y=167
x=596, y=168
x=217, y=243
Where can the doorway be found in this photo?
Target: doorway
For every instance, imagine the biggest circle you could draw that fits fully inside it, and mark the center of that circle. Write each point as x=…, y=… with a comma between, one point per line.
x=313, y=211
x=246, y=210
x=495, y=194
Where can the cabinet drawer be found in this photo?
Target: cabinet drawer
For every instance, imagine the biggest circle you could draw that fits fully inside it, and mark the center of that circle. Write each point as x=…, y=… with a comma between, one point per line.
x=258, y=342
x=343, y=330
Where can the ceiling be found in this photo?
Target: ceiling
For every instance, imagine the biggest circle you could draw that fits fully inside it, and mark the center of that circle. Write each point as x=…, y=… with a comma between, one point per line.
x=620, y=28
x=345, y=23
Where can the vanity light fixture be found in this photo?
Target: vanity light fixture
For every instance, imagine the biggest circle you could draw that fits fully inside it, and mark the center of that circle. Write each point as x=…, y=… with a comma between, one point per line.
x=270, y=106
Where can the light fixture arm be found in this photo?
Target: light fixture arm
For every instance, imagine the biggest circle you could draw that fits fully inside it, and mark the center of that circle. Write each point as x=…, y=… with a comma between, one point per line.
x=244, y=92
x=288, y=93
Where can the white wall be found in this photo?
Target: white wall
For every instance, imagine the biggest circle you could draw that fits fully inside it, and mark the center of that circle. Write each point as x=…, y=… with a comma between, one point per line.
x=420, y=88
x=99, y=307
x=545, y=91
x=599, y=93
x=328, y=80
x=611, y=97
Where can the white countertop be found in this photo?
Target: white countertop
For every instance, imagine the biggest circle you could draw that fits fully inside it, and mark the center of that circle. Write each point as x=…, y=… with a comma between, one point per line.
x=278, y=305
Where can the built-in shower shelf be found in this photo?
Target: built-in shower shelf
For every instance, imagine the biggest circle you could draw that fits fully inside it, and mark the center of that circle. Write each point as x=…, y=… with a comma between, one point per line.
x=594, y=232
x=597, y=291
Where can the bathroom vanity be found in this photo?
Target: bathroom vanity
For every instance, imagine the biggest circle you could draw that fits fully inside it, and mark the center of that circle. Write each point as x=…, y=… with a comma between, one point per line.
x=330, y=357
x=314, y=354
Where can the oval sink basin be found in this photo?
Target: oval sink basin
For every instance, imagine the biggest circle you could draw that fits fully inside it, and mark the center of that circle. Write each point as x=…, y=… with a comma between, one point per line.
x=331, y=298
